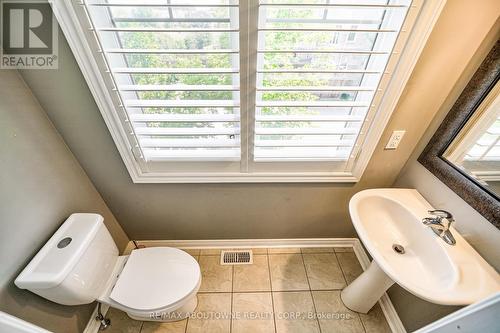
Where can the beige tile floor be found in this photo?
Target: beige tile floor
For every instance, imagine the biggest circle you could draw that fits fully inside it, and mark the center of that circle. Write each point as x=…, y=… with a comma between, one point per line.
x=284, y=291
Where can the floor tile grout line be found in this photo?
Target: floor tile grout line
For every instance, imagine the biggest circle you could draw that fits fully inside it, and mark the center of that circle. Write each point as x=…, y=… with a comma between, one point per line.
x=187, y=319
x=347, y=283
x=266, y=291
x=310, y=291
x=319, y=252
x=361, y=321
x=253, y=290
x=232, y=299
x=341, y=270
x=270, y=275
x=272, y=295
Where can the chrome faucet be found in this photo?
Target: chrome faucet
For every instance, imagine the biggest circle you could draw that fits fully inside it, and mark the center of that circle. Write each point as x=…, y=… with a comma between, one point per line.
x=440, y=223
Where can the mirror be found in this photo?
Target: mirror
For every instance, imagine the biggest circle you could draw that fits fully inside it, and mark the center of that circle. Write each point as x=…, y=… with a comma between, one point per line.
x=464, y=153
x=475, y=150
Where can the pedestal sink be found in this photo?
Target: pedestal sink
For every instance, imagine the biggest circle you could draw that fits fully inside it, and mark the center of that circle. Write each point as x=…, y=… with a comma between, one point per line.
x=409, y=253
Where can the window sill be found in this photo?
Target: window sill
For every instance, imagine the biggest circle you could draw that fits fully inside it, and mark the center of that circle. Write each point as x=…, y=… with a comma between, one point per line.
x=334, y=177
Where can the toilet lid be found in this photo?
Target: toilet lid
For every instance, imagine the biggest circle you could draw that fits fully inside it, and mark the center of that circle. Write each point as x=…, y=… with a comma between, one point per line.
x=156, y=277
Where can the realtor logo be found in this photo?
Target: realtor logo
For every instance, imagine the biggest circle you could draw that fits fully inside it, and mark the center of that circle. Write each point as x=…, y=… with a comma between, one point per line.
x=29, y=35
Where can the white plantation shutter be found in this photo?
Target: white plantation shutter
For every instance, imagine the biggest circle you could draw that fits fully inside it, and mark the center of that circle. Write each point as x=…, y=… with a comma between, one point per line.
x=175, y=112
x=487, y=147
x=250, y=90
x=319, y=67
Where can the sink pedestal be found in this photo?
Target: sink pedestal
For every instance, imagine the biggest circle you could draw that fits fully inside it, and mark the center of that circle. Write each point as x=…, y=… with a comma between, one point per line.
x=364, y=292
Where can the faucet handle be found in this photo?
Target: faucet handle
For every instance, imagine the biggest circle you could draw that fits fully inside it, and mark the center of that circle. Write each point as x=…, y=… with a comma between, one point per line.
x=441, y=213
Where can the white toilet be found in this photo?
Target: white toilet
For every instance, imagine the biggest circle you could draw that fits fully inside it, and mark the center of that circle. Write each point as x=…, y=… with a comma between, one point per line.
x=80, y=265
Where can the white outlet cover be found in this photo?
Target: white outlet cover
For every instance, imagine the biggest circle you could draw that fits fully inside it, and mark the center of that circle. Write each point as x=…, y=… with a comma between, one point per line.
x=394, y=140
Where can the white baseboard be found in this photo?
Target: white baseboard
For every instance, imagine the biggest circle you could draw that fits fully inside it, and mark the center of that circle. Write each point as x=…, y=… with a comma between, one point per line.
x=385, y=303
x=93, y=325
x=248, y=243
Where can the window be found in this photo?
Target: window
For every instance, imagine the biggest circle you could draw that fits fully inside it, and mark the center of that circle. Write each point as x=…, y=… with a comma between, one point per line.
x=236, y=91
x=476, y=149
x=483, y=158
x=487, y=147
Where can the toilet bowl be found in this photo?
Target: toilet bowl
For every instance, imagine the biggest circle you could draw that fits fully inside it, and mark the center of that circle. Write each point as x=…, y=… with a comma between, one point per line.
x=80, y=264
x=157, y=283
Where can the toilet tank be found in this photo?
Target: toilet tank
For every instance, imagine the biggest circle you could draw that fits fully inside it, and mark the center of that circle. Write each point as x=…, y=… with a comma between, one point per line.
x=73, y=266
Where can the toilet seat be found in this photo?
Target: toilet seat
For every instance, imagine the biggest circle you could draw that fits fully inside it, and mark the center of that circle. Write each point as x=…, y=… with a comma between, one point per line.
x=156, y=278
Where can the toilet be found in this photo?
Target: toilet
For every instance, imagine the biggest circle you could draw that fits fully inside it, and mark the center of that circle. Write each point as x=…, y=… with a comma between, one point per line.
x=80, y=264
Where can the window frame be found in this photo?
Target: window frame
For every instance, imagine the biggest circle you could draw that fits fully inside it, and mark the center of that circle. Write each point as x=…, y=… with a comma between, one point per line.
x=424, y=14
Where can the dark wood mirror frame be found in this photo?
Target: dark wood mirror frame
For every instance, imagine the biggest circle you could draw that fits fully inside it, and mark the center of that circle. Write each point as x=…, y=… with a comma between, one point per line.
x=481, y=199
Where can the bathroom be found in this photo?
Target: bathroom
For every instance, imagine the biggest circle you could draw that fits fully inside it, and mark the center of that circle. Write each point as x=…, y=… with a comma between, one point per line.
x=67, y=147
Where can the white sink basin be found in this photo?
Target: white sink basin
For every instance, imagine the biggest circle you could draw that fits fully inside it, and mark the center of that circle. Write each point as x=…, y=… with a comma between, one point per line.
x=429, y=268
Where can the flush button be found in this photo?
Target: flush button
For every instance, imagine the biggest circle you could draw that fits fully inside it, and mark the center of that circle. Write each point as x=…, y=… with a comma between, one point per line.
x=64, y=242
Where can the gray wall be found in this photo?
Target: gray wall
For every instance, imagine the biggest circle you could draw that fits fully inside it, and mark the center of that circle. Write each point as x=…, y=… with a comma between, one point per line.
x=482, y=235
x=41, y=184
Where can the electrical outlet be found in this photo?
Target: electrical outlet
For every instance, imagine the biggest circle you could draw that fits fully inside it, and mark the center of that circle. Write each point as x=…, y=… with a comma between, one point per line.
x=394, y=140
